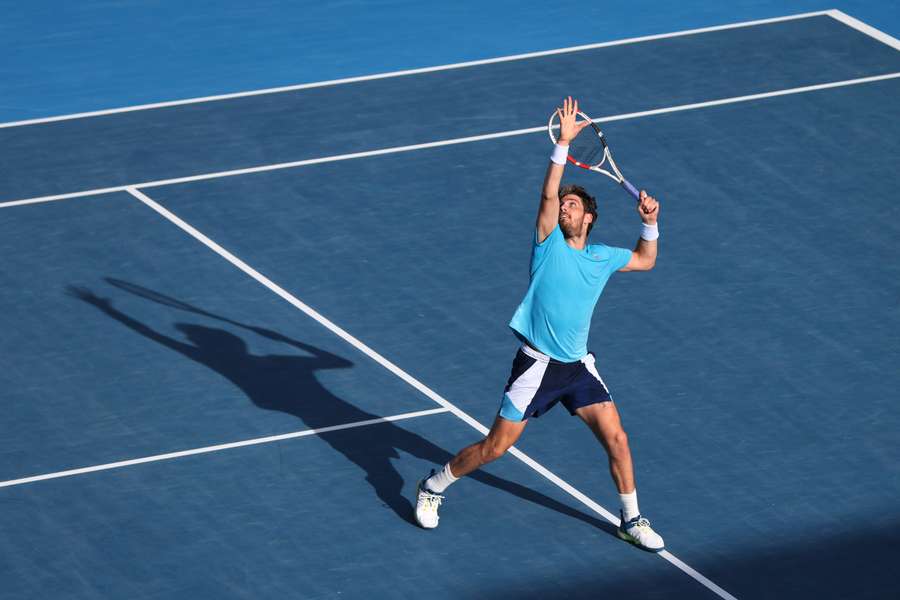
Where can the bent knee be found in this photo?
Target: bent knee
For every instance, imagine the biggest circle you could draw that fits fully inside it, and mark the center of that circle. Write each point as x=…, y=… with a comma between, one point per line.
x=492, y=450
x=618, y=440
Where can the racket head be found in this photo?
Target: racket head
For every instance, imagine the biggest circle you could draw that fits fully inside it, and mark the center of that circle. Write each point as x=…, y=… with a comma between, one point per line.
x=588, y=150
x=157, y=297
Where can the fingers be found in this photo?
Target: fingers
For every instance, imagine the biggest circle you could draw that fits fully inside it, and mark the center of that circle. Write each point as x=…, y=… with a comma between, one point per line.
x=569, y=126
x=568, y=109
x=648, y=206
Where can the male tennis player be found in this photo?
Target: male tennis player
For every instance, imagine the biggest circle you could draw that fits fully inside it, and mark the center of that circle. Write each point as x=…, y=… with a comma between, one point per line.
x=553, y=364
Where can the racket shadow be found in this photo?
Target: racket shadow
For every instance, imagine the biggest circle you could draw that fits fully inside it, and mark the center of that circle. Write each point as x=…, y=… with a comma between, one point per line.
x=288, y=383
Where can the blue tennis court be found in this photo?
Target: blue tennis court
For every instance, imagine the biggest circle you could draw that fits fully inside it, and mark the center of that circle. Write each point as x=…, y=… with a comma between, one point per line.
x=238, y=330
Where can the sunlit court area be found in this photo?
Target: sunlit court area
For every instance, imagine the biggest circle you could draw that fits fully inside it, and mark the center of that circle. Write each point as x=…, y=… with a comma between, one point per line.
x=259, y=264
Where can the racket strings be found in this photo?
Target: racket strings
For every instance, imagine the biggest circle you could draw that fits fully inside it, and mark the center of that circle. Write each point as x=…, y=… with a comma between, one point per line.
x=587, y=148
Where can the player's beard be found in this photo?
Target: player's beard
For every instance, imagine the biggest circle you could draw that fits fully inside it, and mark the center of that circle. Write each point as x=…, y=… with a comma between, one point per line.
x=569, y=227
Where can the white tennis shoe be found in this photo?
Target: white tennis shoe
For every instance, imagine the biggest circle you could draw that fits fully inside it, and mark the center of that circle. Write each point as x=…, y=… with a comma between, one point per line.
x=427, y=504
x=638, y=532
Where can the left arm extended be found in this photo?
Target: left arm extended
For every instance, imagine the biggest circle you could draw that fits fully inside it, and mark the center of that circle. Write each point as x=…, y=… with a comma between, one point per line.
x=643, y=258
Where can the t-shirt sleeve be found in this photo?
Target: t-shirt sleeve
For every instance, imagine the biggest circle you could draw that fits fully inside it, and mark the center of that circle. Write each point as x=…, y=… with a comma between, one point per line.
x=539, y=250
x=617, y=257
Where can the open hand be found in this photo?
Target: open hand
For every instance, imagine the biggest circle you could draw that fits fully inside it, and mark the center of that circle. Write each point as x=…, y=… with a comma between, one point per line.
x=88, y=296
x=568, y=128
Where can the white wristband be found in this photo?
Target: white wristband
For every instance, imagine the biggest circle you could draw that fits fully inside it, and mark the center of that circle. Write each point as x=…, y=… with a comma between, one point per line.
x=559, y=154
x=649, y=232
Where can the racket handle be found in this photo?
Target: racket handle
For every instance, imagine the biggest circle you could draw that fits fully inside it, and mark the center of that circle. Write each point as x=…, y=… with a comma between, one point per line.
x=631, y=189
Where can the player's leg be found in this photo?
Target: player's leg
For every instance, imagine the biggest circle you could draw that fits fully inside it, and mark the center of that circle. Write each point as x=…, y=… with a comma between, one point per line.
x=500, y=438
x=503, y=434
x=522, y=397
x=603, y=419
x=589, y=398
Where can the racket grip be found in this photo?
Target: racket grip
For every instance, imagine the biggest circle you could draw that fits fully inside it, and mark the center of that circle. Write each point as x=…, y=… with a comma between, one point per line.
x=631, y=189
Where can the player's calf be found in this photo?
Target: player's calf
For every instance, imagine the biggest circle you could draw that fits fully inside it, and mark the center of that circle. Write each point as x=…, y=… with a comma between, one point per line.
x=503, y=434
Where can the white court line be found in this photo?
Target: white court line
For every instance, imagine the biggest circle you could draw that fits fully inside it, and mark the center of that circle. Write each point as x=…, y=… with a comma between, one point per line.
x=415, y=383
x=219, y=447
x=450, y=142
x=864, y=27
x=461, y=65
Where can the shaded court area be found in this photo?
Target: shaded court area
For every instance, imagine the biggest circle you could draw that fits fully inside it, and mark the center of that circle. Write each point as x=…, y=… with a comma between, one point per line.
x=754, y=367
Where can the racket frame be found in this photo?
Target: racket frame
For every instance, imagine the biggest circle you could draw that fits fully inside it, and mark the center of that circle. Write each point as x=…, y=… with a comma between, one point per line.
x=605, y=158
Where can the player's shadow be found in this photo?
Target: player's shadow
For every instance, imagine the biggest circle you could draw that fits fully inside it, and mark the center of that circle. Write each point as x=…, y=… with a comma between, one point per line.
x=287, y=383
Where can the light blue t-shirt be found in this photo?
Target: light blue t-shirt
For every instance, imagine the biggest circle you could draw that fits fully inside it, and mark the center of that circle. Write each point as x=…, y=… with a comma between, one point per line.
x=555, y=314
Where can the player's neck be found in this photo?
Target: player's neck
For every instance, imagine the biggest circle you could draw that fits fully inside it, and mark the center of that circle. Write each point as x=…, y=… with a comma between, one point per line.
x=577, y=243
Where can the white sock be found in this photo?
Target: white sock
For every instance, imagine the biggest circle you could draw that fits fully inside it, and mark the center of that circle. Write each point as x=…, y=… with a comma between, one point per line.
x=629, y=505
x=439, y=482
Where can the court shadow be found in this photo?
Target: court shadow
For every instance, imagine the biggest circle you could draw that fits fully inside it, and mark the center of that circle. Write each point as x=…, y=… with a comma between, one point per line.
x=288, y=383
x=857, y=563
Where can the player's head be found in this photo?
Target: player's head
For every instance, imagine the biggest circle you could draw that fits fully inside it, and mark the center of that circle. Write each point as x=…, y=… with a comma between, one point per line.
x=577, y=210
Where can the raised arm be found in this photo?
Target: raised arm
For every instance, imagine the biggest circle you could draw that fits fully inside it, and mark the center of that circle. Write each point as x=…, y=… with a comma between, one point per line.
x=548, y=212
x=105, y=306
x=643, y=258
x=326, y=360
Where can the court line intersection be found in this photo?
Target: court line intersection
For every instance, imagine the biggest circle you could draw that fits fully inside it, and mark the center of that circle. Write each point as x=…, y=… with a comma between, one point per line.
x=833, y=13
x=415, y=383
x=445, y=406
x=440, y=143
x=405, y=72
x=219, y=447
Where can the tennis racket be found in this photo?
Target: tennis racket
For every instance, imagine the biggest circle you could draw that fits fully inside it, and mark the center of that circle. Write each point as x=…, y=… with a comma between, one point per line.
x=589, y=151
x=160, y=298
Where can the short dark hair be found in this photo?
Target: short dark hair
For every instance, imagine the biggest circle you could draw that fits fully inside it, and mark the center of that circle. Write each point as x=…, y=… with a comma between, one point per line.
x=588, y=201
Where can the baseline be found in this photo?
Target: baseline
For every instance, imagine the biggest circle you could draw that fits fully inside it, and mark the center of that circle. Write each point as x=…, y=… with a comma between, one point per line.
x=219, y=447
x=436, y=144
x=415, y=383
x=474, y=63
x=864, y=28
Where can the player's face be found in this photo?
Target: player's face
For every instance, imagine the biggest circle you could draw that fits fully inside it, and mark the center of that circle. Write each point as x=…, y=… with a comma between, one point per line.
x=571, y=215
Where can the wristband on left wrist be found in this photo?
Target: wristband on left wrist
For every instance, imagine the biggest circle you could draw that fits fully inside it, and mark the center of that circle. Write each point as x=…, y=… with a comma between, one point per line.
x=649, y=232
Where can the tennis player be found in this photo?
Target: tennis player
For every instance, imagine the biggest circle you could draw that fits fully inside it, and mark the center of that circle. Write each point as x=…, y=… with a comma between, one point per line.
x=552, y=322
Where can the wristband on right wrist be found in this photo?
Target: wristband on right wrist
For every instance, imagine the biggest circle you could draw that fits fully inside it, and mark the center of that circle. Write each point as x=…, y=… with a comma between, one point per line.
x=649, y=232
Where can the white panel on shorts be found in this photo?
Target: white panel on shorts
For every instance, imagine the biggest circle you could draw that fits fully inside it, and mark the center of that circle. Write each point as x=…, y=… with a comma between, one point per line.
x=588, y=362
x=523, y=389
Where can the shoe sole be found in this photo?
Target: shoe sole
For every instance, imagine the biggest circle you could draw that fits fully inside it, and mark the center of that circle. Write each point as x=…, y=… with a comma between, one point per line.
x=624, y=536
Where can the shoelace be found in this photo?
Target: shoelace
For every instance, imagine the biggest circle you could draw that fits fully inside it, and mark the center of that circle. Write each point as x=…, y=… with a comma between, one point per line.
x=642, y=522
x=432, y=501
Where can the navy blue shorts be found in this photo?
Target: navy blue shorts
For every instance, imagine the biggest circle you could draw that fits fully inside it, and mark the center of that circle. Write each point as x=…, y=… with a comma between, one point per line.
x=538, y=382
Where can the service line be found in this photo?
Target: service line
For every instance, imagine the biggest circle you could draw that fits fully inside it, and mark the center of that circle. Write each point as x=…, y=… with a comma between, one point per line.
x=218, y=447
x=449, y=142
